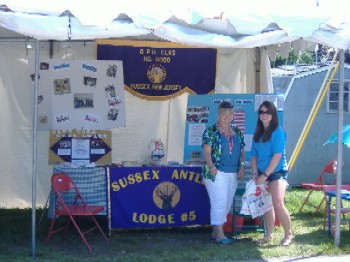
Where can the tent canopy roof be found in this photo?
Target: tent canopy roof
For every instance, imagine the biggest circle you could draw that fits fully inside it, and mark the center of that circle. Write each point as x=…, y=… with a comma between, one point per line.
x=224, y=24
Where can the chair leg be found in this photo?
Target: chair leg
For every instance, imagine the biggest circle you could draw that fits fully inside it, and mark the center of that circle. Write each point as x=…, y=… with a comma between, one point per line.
x=49, y=234
x=324, y=217
x=305, y=201
x=319, y=205
x=80, y=233
x=100, y=229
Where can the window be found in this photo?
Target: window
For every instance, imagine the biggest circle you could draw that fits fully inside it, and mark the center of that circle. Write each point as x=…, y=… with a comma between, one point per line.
x=332, y=98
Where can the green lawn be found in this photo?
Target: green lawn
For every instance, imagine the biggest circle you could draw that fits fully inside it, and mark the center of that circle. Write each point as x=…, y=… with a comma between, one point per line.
x=177, y=244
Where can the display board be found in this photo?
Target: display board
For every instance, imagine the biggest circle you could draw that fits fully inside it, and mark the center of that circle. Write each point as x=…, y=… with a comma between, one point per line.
x=78, y=94
x=202, y=112
x=80, y=147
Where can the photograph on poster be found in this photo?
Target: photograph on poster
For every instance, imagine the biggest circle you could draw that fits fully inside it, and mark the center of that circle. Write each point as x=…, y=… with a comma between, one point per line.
x=97, y=146
x=83, y=101
x=197, y=114
x=43, y=119
x=110, y=91
x=112, y=114
x=32, y=76
x=90, y=81
x=112, y=71
x=40, y=98
x=64, y=147
x=62, y=86
x=44, y=66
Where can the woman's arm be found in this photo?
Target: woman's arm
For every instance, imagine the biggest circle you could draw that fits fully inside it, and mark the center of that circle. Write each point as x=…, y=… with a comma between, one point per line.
x=254, y=163
x=241, y=167
x=270, y=168
x=208, y=160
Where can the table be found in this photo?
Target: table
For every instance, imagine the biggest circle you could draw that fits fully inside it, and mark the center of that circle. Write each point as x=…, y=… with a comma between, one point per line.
x=150, y=197
x=345, y=195
x=91, y=182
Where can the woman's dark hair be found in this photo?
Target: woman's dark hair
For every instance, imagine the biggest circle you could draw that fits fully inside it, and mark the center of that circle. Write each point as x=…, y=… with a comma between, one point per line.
x=259, y=131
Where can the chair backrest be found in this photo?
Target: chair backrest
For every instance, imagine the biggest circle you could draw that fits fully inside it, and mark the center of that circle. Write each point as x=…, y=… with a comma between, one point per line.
x=61, y=183
x=330, y=168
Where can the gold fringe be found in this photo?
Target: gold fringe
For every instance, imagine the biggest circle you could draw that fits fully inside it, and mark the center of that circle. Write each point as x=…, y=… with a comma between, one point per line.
x=161, y=98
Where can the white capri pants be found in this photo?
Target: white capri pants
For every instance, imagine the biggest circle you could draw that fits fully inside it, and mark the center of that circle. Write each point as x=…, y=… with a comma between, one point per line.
x=221, y=193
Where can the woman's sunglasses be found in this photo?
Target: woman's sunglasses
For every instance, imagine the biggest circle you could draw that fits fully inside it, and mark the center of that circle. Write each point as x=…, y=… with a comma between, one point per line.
x=262, y=112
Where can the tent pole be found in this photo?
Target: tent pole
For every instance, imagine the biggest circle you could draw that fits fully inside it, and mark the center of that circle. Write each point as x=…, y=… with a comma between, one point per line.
x=36, y=83
x=340, y=147
x=167, y=133
x=257, y=70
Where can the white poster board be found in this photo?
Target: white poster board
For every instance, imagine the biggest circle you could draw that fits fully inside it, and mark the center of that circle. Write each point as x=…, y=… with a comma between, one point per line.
x=80, y=94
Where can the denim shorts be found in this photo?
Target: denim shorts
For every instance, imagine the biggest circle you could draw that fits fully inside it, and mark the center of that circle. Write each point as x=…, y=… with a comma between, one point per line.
x=282, y=174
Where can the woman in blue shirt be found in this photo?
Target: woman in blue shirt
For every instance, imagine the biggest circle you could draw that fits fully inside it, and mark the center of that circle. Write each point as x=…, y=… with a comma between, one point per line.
x=269, y=162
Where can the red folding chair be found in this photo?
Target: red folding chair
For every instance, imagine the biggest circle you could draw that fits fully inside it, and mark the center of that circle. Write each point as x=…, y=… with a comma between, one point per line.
x=62, y=183
x=332, y=208
x=319, y=184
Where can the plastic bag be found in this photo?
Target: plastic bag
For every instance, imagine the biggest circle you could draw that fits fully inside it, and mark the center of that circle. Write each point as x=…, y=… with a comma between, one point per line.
x=256, y=201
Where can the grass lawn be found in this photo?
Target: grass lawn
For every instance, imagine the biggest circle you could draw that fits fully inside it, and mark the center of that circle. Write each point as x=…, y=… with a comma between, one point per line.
x=176, y=244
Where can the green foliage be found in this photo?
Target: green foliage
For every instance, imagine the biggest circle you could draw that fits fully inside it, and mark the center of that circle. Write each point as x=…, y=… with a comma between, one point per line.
x=305, y=58
x=167, y=244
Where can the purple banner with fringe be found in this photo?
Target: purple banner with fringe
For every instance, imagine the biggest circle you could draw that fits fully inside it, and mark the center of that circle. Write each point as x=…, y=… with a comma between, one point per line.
x=145, y=197
x=161, y=73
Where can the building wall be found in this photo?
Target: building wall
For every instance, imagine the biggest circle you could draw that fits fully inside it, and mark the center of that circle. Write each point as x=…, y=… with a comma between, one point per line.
x=313, y=156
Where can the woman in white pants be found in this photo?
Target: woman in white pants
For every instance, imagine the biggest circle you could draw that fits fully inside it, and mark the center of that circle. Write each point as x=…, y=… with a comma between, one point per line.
x=223, y=147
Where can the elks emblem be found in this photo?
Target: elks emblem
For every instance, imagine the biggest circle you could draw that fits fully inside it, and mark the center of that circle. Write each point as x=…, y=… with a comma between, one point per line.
x=156, y=74
x=166, y=195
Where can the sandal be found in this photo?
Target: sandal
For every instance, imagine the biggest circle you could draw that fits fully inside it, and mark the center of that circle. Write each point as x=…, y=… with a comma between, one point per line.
x=262, y=241
x=287, y=240
x=224, y=241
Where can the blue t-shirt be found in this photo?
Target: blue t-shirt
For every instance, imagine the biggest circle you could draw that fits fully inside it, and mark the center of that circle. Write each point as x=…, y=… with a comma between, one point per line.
x=265, y=151
x=229, y=163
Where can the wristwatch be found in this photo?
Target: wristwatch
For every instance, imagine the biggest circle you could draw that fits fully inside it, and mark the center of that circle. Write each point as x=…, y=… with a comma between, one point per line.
x=242, y=163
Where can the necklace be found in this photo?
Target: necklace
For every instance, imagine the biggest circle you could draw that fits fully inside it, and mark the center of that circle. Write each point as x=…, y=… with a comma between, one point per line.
x=229, y=137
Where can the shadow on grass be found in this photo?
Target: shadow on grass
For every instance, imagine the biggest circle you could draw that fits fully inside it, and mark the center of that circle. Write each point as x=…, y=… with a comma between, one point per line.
x=164, y=244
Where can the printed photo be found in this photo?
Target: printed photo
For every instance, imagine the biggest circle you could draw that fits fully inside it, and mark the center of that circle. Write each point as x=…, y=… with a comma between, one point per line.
x=44, y=66
x=110, y=91
x=62, y=86
x=197, y=114
x=112, y=114
x=83, y=101
x=90, y=81
x=112, y=71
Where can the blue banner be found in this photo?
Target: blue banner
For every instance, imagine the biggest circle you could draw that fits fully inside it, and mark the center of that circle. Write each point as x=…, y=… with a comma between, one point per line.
x=163, y=72
x=144, y=197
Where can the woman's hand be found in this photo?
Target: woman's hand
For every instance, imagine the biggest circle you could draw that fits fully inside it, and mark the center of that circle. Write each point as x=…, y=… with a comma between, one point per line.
x=213, y=170
x=260, y=180
x=241, y=173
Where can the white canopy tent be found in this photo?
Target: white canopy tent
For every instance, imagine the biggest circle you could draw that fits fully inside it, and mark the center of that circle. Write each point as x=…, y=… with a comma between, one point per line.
x=231, y=26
